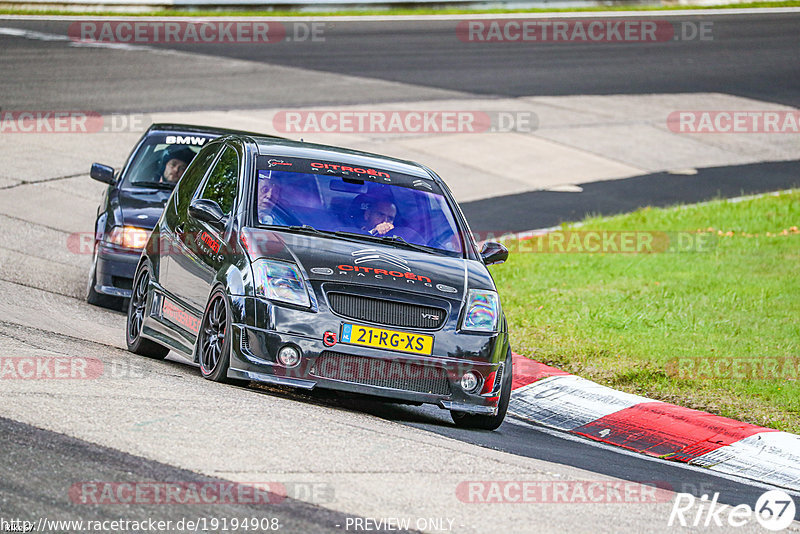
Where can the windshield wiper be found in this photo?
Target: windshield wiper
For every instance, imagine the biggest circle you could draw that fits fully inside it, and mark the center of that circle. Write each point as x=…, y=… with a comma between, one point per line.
x=307, y=228
x=392, y=239
x=154, y=185
x=301, y=229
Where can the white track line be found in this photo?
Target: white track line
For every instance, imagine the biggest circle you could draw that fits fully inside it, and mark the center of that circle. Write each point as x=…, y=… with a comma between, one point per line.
x=41, y=36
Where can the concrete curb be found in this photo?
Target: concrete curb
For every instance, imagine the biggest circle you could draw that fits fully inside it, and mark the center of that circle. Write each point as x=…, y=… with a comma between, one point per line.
x=553, y=398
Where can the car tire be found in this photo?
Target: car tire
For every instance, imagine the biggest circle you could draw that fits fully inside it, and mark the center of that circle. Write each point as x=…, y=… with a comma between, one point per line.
x=136, y=311
x=489, y=422
x=214, y=339
x=99, y=299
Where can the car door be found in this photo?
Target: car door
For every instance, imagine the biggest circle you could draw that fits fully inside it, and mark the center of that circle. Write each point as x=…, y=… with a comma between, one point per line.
x=173, y=237
x=193, y=271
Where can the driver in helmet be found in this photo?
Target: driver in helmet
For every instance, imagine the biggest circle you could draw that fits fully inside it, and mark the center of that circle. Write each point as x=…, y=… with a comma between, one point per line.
x=174, y=161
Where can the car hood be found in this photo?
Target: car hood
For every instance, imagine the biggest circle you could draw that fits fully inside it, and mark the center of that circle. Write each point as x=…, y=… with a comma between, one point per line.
x=348, y=261
x=143, y=207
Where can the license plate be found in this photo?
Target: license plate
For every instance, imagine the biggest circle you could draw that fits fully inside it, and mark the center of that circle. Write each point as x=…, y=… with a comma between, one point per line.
x=386, y=339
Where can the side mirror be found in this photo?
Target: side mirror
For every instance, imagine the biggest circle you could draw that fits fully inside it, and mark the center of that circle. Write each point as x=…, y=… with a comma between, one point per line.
x=206, y=210
x=102, y=173
x=492, y=253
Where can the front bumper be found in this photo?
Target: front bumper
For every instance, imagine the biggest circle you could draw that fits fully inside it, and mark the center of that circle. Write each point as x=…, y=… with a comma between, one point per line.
x=115, y=270
x=434, y=379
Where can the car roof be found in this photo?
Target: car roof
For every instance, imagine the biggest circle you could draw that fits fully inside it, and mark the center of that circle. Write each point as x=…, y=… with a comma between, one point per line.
x=163, y=127
x=276, y=146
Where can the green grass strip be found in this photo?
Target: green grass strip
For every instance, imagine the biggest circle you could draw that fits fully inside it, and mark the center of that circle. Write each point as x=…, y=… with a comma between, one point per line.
x=714, y=326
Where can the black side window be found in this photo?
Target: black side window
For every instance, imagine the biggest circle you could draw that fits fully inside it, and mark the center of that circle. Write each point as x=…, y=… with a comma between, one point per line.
x=191, y=178
x=221, y=184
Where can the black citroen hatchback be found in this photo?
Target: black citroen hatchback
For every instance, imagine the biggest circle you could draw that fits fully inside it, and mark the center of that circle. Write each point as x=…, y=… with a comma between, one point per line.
x=312, y=266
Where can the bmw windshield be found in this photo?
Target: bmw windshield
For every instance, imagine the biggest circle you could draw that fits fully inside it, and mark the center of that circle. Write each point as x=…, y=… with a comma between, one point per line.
x=162, y=159
x=373, y=205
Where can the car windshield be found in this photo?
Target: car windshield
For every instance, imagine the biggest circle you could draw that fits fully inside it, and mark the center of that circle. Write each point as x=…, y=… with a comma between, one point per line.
x=406, y=211
x=162, y=159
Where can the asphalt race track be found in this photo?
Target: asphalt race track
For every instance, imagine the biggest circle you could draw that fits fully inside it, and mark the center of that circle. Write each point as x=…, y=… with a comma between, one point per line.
x=339, y=459
x=753, y=56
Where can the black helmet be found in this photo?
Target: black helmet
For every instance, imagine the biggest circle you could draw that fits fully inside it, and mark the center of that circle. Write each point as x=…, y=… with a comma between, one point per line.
x=175, y=152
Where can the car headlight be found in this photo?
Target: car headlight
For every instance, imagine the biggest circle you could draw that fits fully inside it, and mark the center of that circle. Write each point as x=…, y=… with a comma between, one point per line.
x=483, y=311
x=128, y=236
x=277, y=280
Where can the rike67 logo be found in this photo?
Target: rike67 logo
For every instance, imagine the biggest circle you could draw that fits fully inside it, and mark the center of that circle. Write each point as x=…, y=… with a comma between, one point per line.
x=774, y=510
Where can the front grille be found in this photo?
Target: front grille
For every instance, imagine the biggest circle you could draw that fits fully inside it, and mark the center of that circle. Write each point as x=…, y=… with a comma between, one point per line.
x=383, y=373
x=388, y=312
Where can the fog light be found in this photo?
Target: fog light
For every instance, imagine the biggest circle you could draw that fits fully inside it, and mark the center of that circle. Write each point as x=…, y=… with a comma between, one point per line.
x=470, y=381
x=289, y=356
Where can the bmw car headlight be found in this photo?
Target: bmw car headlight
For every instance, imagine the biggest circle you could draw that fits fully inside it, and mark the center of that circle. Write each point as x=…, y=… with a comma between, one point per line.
x=280, y=281
x=483, y=311
x=128, y=236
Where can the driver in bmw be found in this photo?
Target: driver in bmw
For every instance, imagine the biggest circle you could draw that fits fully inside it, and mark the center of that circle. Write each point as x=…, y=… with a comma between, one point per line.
x=173, y=163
